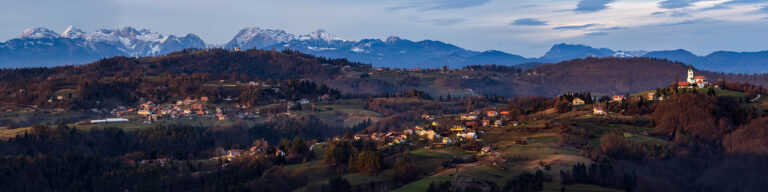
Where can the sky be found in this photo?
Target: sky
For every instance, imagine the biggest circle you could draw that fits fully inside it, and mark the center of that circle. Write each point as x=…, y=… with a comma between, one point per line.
x=524, y=27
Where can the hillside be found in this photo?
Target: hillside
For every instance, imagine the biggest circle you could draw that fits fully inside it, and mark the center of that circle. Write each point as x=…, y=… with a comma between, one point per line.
x=601, y=76
x=622, y=75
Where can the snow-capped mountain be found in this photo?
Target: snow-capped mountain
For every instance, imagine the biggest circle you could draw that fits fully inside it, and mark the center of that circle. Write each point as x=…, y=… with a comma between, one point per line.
x=258, y=38
x=38, y=33
x=620, y=53
x=44, y=47
x=36, y=47
x=392, y=52
x=321, y=35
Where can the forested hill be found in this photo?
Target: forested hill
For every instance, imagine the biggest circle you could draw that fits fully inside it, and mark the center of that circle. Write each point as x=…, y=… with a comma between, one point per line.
x=623, y=75
x=263, y=64
x=600, y=76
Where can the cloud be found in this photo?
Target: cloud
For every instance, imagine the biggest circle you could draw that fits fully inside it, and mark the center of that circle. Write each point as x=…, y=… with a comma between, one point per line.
x=687, y=22
x=728, y=4
x=611, y=28
x=588, y=6
x=599, y=33
x=447, y=21
x=674, y=4
x=528, y=22
x=671, y=13
x=440, y=21
x=764, y=9
x=733, y=2
x=429, y=5
x=575, y=27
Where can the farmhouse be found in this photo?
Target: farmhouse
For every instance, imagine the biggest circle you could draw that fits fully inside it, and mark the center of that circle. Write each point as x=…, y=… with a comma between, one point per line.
x=468, y=117
x=578, y=101
x=598, y=111
x=617, y=98
x=458, y=128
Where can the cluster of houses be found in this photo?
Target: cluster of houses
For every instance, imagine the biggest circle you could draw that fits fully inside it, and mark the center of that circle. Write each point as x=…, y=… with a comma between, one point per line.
x=190, y=107
x=254, y=151
x=692, y=81
x=392, y=137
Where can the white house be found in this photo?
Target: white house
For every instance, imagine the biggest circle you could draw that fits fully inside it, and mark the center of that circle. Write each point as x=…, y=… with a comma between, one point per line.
x=598, y=111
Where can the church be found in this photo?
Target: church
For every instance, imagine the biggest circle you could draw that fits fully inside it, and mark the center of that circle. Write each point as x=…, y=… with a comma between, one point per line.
x=693, y=81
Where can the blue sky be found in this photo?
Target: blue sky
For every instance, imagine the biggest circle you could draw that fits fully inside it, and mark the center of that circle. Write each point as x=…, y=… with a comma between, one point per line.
x=525, y=27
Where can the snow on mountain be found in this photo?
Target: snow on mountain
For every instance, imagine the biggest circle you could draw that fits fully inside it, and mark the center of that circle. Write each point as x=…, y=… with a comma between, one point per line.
x=258, y=38
x=38, y=33
x=74, y=46
x=629, y=53
x=321, y=34
x=72, y=32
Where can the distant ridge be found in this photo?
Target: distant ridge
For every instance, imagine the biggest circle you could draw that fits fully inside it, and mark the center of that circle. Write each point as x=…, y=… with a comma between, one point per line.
x=74, y=46
x=41, y=47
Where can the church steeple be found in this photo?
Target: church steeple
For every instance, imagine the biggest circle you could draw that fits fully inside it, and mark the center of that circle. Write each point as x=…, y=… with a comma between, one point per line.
x=690, y=75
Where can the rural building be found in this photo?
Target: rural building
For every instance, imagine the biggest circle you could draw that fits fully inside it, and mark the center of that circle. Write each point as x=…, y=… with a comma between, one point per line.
x=598, y=111
x=578, y=101
x=617, y=98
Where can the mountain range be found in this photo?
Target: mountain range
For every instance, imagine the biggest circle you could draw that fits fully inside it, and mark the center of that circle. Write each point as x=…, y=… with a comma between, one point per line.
x=74, y=46
x=37, y=47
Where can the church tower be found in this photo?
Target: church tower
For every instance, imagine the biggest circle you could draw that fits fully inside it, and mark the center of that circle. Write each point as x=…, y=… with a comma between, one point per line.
x=690, y=75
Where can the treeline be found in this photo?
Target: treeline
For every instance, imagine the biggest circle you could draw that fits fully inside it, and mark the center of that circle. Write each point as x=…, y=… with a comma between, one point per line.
x=714, y=139
x=89, y=173
x=122, y=80
x=88, y=92
x=171, y=141
x=176, y=142
x=264, y=64
x=292, y=90
x=494, y=68
x=165, y=158
x=749, y=89
x=601, y=173
x=621, y=75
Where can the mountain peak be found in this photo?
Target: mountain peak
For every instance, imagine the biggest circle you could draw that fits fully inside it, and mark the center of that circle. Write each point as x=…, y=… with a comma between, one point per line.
x=321, y=34
x=254, y=37
x=392, y=39
x=132, y=32
x=72, y=32
x=564, y=51
x=38, y=33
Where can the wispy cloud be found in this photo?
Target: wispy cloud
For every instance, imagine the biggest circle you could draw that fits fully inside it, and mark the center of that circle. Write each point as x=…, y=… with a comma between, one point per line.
x=594, y=34
x=733, y=2
x=764, y=9
x=439, y=21
x=671, y=13
x=686, y=22
x=575, y=27
x=439, y=4
x=611, y=28
x=528, y=22
x=674, y=4
x=447, y=21
x=588, y=6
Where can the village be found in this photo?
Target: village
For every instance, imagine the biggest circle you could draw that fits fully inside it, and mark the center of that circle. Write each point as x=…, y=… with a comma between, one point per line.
x=192, y=108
